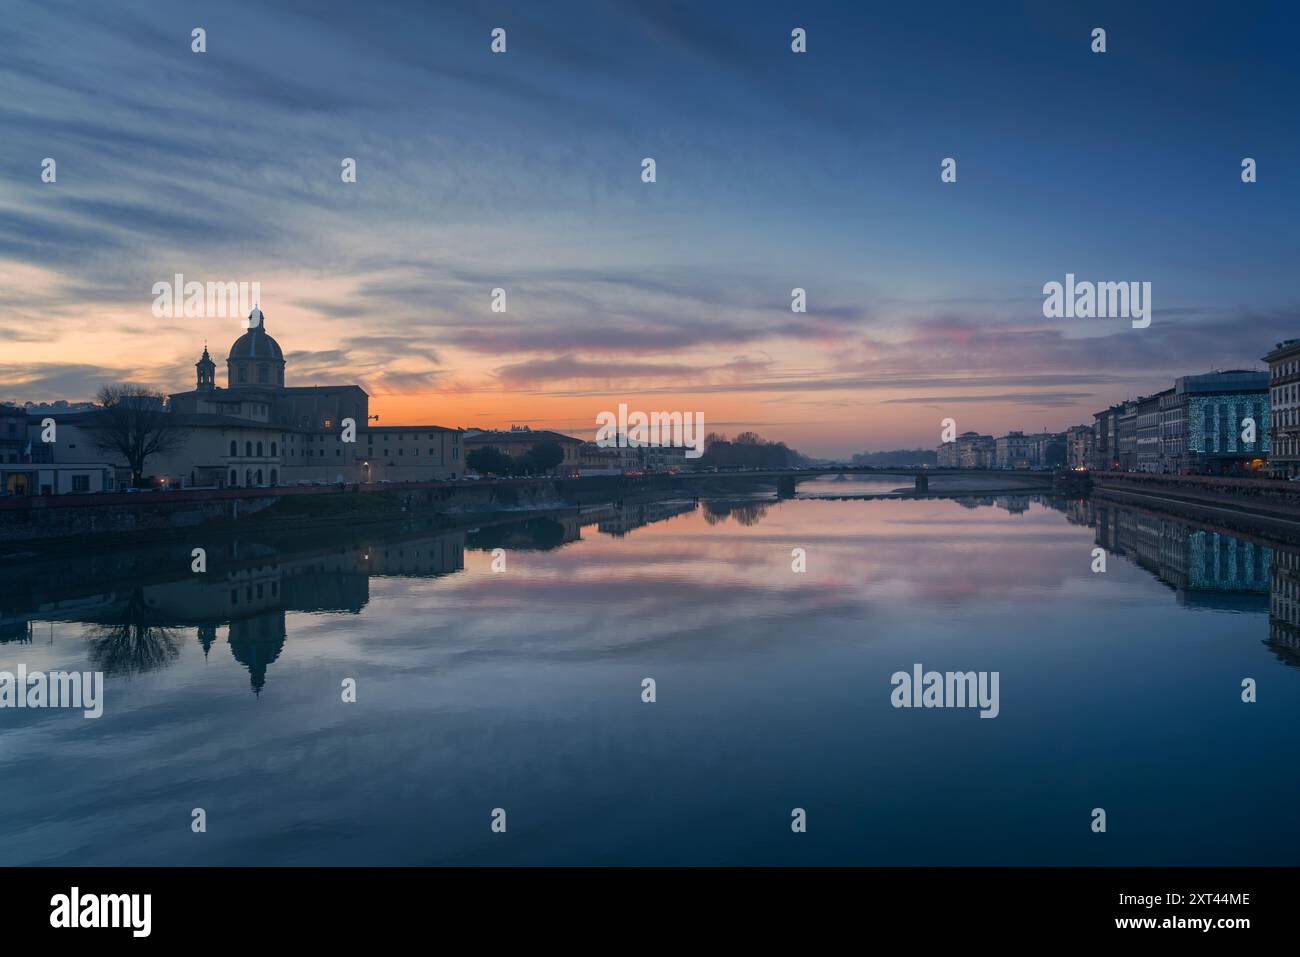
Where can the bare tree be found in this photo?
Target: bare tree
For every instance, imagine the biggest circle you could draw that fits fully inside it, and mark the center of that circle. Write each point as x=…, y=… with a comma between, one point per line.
x=133, y=422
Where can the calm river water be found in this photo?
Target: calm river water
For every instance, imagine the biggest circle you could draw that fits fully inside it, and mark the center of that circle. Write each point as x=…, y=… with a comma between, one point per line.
x=520, y=689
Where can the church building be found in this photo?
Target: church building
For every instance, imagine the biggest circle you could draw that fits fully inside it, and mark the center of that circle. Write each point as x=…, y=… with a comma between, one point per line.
x=258, y=431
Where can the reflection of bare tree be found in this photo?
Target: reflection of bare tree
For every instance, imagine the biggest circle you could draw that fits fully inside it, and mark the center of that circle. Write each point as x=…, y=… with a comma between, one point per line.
x=715, y=512
x=127, y=649
x=746, y=513
x=132, y=645
x=751, y=513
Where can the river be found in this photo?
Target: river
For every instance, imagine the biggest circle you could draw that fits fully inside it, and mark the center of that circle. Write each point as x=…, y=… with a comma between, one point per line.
x=502, y=669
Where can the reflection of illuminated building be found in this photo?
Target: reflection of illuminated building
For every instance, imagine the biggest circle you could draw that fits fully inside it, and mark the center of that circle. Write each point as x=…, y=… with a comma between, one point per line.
x=1222, y=562
x=1205, y=568
x=1284, y=605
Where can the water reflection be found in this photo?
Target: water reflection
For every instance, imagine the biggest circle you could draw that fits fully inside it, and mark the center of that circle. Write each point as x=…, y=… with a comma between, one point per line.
x=131, y=647
x=744, y=513
x=1202, y=566
x=252, y=585
x=1215, y=568
x=523, y=689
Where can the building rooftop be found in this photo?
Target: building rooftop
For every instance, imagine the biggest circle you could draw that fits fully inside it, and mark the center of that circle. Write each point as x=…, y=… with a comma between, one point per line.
x=519, y=436
x=1234, y=380
x=1283, y=347
x=411, y=428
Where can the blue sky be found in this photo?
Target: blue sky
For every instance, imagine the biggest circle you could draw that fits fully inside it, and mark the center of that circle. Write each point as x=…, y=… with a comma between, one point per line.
x=775, y=170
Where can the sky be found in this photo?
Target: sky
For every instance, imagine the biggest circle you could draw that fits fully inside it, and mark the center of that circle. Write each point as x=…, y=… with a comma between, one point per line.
x=774, y=170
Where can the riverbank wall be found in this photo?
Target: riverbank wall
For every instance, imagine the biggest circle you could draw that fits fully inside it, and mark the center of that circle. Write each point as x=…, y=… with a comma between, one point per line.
x=1248, y=501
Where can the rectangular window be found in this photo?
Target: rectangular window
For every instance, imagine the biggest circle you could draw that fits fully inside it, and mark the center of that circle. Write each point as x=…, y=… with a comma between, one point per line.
x=81, y=483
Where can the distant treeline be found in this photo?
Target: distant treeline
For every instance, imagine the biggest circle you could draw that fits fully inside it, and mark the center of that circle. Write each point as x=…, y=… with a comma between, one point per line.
x=897, y=457
x=747, y=450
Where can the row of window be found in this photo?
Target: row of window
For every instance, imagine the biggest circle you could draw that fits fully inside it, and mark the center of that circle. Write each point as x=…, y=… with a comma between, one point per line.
x=1284, y=418
x=1285, y=369
x=401, y=436
x=248, y=449
x=248, y=593
x=370, y=452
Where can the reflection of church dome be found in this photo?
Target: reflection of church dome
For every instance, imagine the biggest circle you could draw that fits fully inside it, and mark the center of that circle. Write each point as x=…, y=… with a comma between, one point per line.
x=207, y=635
x=256, y=643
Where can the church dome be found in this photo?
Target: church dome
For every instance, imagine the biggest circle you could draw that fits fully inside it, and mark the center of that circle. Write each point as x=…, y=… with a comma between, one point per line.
x=255, y=343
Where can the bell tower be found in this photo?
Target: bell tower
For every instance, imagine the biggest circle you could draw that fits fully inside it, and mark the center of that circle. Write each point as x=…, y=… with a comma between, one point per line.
x=207, y=373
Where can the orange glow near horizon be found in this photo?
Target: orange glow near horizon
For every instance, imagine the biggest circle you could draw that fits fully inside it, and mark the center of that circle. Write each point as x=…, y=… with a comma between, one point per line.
x=413, y=378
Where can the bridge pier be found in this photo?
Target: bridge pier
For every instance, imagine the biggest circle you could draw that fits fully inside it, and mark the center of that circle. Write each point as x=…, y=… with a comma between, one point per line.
x=922, y=483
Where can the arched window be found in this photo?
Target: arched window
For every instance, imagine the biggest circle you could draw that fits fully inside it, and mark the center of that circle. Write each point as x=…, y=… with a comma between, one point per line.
x=259, y=450
x=274, y=453
x=274, y=477
x=259, y=476
x=248, y=476
x=234, y=448
x=248, y=449
x=234, y=478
